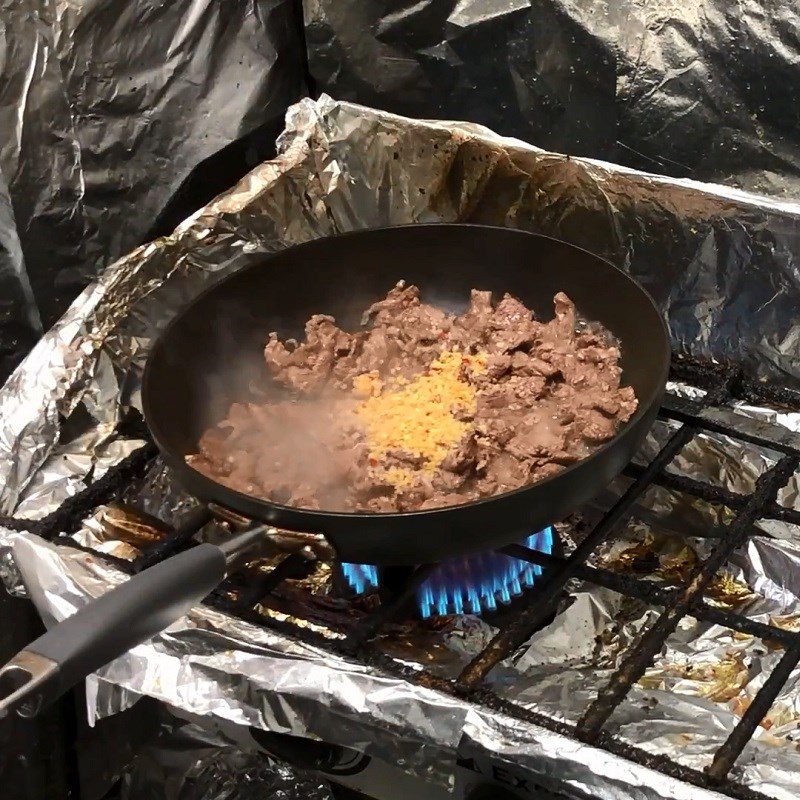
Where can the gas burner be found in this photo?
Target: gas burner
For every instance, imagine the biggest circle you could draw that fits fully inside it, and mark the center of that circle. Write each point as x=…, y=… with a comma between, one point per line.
x=472, y=584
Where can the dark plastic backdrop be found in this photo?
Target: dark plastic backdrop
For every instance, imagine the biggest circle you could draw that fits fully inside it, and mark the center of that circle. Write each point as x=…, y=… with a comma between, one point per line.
x=106, y=108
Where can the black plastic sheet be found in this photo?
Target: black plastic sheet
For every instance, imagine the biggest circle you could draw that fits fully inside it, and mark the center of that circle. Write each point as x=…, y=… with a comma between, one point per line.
x=106, y=108
x=704, y=89
x=19, y=319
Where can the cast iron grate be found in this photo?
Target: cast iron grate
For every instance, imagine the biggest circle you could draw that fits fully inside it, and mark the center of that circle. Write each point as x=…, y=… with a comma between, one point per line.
x=712, y=413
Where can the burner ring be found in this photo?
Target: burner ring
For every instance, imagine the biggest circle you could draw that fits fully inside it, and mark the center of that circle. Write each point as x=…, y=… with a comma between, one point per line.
x=472, y=584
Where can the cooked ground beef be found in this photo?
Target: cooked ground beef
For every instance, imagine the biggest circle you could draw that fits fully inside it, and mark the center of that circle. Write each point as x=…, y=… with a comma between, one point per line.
x=420, y=408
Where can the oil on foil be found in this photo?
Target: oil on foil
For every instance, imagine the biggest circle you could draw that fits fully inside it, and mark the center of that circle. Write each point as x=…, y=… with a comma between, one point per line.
x=721, y=265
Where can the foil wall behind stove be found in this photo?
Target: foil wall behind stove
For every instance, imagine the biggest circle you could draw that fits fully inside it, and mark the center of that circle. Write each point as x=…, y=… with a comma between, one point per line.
x=700, y=88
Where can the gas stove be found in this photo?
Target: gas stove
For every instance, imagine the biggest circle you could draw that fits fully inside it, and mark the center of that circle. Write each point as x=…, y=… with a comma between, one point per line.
x=364, y=610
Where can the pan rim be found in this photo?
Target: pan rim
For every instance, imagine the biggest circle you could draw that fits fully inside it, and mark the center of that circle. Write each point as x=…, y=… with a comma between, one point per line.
x=210, y=487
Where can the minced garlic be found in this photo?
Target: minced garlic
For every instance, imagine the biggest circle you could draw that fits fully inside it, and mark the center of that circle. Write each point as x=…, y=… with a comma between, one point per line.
x=399, y=477
x=368, y=384
x=416, y=416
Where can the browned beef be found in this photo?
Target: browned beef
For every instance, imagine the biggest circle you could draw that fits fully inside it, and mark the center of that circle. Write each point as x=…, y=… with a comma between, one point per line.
x=550, y=394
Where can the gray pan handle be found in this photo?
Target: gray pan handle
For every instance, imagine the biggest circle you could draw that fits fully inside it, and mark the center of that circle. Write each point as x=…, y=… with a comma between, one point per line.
x=121, y=619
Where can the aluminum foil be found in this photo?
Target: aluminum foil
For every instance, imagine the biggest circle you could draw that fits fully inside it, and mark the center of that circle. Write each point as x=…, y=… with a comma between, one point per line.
x=690, y=89
x=721, y=265
x=104, y=112
x=213, y=665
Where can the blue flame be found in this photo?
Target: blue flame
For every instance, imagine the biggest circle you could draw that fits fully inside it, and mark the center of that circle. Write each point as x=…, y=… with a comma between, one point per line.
x=470, y=584
x=360, y=576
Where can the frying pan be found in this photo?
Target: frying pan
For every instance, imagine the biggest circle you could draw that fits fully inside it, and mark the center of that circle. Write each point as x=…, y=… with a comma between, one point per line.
x=211, y=355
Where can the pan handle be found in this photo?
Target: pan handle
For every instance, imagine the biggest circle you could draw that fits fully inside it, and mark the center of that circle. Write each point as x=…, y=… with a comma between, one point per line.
x=121, y=619
x=313, y=546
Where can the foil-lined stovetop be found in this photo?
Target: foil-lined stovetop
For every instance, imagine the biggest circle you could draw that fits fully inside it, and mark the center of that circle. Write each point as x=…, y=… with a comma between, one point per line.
x=720, y=264
x=704, y=672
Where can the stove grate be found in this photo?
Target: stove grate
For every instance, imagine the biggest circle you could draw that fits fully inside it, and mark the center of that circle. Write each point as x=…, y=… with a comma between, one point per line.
x=712, y=413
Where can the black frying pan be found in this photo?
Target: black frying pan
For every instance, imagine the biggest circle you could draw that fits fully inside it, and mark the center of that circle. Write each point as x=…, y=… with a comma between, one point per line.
x=188, y=382
x=211, y=355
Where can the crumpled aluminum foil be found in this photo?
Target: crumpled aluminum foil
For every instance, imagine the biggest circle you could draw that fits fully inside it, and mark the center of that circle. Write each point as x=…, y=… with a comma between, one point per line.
x=213, y=665
x=690, y=89
x=729, y=289
x=105, y=110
